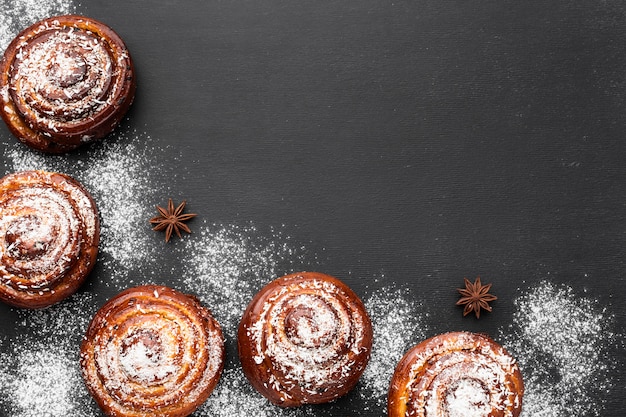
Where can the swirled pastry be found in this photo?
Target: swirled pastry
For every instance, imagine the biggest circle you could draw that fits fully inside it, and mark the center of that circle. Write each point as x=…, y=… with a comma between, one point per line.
x=305, y=338
x=65, y=81
x=152, y=351
x=49, y=235
x=456, y=374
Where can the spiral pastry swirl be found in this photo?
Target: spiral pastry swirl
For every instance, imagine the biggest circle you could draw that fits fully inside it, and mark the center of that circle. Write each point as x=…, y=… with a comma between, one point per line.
x=49, y=235
x=65, y=81
x=305, y=338
x=458, y=374
x=152, y=351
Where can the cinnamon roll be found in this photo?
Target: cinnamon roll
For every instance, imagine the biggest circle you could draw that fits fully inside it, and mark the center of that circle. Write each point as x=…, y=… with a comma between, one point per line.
x=65, y=81
x=152, y=351
x=456, y=374
x=49, y=235
x=304, y=338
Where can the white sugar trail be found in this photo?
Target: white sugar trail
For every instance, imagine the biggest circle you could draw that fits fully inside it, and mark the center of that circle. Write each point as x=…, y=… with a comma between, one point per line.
x=235, y=397
x=46, y=383
x=119, y=176
x=399, y=321
x=39, y=369
x=560, y=340
x=226, y=265
x=16, y=15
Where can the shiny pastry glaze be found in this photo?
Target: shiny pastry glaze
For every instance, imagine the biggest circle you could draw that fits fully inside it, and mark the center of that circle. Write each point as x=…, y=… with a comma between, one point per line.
x=304, y=339
x=152, y=351
x=49, y=235
x=458, y=374
x=65, y=81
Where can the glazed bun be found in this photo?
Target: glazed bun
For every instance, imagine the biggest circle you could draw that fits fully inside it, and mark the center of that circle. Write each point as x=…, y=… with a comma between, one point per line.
x=49, y=235
x=305, y=338
x=65, y=81
x=152, y=351
x=456, y=374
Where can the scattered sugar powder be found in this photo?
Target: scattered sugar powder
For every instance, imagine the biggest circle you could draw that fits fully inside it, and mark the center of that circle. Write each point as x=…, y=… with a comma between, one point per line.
x=39, y=369
x=561, y=342
x=64, y=322
x=6, y=367
x=46, y=383
x=399, y=323
x=226, y=265
x=235, y=397
x=121, y=178
x=17, y=15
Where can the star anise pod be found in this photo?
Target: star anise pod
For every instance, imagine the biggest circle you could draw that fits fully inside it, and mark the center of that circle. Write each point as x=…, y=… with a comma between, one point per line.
x=172, y=219
x=475, y=297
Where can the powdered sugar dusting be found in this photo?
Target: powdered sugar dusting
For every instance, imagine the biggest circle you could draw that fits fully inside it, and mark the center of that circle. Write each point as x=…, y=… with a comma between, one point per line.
x=29, y=388
x=120, y=176
x=226, y=265
x=39, y=371
x=560, y=340
x=399, y=322
x=18, y=15
x=467, y=398
x=138, y=361
x=235, y=397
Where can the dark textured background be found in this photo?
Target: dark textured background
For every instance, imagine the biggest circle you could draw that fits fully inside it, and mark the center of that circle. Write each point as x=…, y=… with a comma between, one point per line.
x=424, y=141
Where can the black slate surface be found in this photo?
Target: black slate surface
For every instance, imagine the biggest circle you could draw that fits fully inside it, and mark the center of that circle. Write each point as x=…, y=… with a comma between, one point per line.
x=417, y=141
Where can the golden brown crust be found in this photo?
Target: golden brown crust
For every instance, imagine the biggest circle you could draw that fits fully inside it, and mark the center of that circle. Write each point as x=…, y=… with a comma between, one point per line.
x=305, y=338
x=456, y=374
x=49, y=235
x=152, y=351
x=65, y=81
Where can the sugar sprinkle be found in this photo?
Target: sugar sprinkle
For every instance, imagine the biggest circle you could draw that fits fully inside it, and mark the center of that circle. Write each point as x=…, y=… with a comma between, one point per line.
x=18, y=15
x=560, y=340
x=226, y=265
x=235, y=397
x=399, y=322
x=39, y=371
